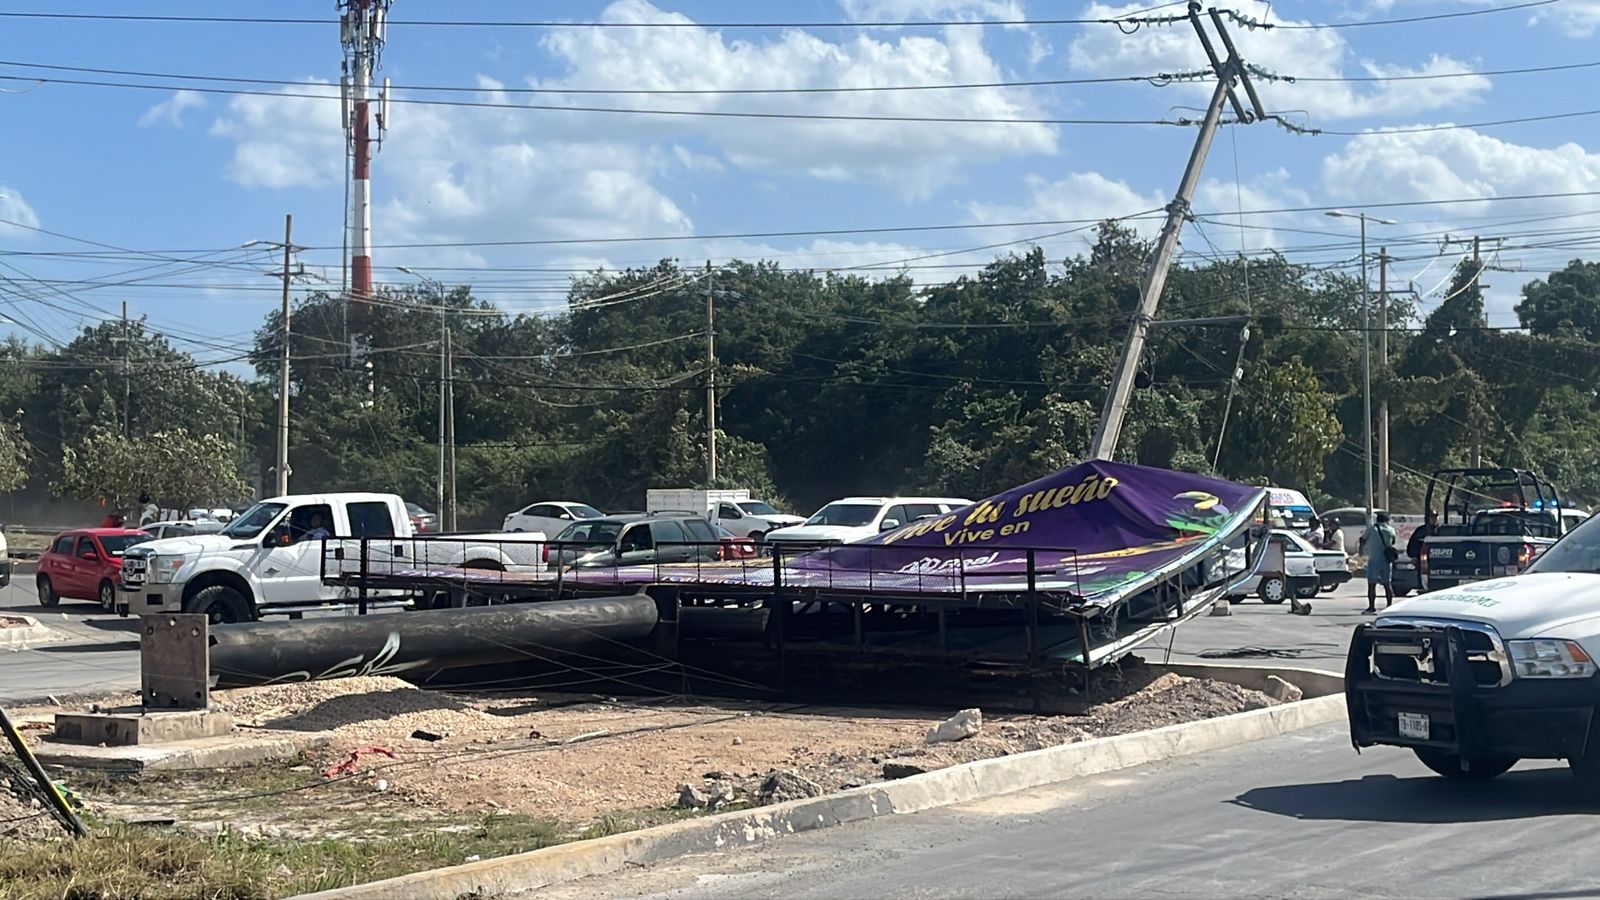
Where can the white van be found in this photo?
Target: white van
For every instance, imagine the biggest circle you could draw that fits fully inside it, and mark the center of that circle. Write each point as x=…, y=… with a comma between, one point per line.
x=1293, y=507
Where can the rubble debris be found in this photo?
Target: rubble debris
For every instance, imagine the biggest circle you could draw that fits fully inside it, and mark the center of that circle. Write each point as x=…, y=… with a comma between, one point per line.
x=1282, y=691
x=786, y=785
x=691, y=797
x=893, y=770
x=1296, y=608
x=1222, y=608
x=422, y=735
x=960, y=726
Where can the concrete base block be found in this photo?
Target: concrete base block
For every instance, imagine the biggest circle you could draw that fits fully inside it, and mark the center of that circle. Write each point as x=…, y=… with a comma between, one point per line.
x=127, y=729
x=232, y=751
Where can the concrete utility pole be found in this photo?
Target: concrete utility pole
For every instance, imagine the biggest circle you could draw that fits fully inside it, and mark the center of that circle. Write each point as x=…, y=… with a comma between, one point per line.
x=127, y=379
x=1229, y=71
x=448, y=514
x=1366, y=355
x=1383, y=367
x=281, y=470
x=711, y=376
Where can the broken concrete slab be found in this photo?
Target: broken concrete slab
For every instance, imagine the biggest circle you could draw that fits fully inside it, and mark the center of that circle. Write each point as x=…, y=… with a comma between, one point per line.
x=126, y=728
x=225, y=752
x=19, y=632
x=960, y=726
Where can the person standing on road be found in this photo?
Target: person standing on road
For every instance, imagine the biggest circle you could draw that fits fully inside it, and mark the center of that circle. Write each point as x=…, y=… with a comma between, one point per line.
x=1332, y=535
x=1423, y=532
x=1378, y=543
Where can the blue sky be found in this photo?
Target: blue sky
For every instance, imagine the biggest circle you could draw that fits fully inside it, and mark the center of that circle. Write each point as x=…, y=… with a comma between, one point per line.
x=195, y=175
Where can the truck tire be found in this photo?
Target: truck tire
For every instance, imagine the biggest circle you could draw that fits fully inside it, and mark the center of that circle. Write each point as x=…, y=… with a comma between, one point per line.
x=1274, y=589
x=47, y=592
x=222, y=604
x=1452, y=766
x=108, y=596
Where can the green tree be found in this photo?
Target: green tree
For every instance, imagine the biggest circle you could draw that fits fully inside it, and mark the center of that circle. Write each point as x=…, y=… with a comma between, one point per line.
x=175, y=468
x=1284, y=427
x=1567, y=303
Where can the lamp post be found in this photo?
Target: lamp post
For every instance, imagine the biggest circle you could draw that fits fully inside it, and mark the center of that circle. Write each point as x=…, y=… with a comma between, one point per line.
x=438, y=288
x=1366, y=353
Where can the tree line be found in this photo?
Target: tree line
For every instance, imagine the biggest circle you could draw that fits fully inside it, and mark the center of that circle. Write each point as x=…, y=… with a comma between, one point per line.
x=829, y=384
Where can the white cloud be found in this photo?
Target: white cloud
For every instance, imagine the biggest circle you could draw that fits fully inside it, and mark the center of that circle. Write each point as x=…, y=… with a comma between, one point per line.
x=696, y=162
x=287, y=139
x=912, y=157
x=932, y=10
x=171, y=110
x=1085, y=197
x=15, y=209
x=1465, y=163
x=1312, y=53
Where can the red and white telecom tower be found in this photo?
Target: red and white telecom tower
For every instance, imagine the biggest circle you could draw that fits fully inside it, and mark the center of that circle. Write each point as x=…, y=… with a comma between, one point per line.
x=361, y=31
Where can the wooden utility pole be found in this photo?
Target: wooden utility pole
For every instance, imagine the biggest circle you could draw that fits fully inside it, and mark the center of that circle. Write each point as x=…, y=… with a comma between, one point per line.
x=1228, y=72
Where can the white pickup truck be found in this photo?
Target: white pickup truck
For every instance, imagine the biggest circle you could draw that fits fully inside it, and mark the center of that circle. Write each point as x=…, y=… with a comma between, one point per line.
x=275, y=555
x=733, y=510
x=1475, y=677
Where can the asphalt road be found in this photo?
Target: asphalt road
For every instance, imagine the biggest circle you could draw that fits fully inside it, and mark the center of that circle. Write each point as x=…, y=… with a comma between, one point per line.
x=100, y=652
x=1317, y=641
x=1297, y=816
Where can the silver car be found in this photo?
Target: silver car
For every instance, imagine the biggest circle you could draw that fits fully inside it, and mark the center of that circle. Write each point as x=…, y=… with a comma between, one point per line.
x=634, y=540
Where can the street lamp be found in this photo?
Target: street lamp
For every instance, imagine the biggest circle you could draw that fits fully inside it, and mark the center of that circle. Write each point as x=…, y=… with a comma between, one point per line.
x=1366, y=351
x=438, y=287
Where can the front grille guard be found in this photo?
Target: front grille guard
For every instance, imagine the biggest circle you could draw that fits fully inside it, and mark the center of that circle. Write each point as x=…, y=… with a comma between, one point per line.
x=1363, y=685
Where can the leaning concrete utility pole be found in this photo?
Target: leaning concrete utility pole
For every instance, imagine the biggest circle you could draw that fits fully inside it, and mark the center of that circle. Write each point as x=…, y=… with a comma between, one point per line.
x=1228, y=72
x=1383, y=368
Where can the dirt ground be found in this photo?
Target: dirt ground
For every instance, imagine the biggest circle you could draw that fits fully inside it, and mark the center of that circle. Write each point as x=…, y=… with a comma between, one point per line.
x=587, y=762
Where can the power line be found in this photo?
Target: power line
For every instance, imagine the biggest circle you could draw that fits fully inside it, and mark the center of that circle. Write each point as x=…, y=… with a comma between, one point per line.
x=1121, y=21
x=1416, y=76
x=614, y=110
x=1160, y=78
x=1404, y=20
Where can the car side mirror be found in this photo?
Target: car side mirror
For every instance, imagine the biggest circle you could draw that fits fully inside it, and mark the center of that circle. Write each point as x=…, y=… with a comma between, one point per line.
x=889, y=525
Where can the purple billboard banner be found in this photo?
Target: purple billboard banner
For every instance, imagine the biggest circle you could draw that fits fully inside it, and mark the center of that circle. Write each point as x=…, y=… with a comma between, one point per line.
x=1097, y=531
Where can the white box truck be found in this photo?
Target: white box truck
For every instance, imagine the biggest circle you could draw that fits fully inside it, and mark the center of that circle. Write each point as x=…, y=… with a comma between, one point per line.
x=734, y=510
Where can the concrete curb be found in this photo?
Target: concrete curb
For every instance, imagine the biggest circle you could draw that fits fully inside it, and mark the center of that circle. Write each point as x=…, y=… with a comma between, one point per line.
x=20, y=637
x=944, y=787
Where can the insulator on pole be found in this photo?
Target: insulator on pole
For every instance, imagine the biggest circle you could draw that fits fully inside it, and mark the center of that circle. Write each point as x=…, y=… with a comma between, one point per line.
x=380, y=19
x=383, y=107
x=344, y=28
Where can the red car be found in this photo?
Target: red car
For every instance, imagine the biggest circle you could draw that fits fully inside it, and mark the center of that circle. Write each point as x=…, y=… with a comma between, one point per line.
x=85, y=565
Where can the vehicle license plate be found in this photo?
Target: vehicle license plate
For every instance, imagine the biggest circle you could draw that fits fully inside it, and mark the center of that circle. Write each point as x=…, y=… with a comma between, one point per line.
x=1414, y=726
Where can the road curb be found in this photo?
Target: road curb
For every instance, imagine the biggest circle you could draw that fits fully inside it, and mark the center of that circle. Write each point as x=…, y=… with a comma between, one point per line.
x=20, y=637
x=943, y=787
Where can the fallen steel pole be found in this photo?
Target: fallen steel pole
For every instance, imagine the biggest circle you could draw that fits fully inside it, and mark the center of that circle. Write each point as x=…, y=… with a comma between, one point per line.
x=391, y=644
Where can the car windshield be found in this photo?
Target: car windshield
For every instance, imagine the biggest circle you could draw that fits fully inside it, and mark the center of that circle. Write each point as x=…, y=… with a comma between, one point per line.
x=758, y=508
x=415, y=509
x=1579, y=551
x=846, y=514
x=254, y=521
x=115, y=544
x=584, y=512
x=590, y=533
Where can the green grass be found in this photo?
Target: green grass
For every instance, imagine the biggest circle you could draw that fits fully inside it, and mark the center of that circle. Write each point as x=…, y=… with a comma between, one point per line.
x=122, y=862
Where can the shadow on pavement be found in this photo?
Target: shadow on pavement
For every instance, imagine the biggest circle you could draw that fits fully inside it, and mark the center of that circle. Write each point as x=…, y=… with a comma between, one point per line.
x=1423, y=799
x=90, y=647
x=1546, y=895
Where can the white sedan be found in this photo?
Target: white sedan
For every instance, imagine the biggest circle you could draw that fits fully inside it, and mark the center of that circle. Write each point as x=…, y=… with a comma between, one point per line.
x=550, y=516
x=1303, y=571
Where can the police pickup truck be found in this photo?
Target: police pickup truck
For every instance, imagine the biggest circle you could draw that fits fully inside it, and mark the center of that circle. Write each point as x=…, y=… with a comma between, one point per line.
x=1494, y=523
x=1476, y=677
